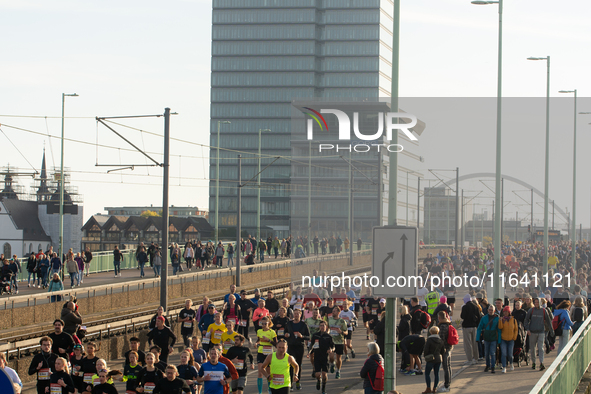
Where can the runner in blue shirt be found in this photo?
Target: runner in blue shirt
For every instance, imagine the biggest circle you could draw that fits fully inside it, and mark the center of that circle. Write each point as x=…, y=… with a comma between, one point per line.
x=214, y=374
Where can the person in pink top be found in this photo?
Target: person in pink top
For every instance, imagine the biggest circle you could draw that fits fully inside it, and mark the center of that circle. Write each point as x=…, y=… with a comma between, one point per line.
x=258, y=314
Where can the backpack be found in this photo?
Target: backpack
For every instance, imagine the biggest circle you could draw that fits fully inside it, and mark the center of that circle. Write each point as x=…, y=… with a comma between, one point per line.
x=491, y=335
x=452, y=336
x=424, y=319
x=578, y=314
x=378, y=382
x=557, y=323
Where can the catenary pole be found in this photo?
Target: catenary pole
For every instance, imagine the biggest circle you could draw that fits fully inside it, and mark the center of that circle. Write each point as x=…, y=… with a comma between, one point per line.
x=165, y=212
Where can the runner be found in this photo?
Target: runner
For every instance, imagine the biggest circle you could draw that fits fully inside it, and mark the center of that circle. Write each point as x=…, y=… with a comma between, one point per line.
x=187, y=320
x=231, y=311
x=276, y=369
x=161, y=337
x=171, y=384
x=267, y=338
x=313, y=324
x=228, y=337
x=149, y=376
x=280, y=322
x=134, y=346
x=338, y=327
x=216, y=330
x=246, y=307
x=213, y=374
x=238, y=355
x=43, y=364
x=321, y=346
x=102, y=385
x=131, y=372
x=187, y=371
x=350, y=318
x=297, y=335
x=89, y=363
x=76, y=363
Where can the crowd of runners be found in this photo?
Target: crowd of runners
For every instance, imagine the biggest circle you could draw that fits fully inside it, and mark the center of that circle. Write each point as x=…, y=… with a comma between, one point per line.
x=302, y=339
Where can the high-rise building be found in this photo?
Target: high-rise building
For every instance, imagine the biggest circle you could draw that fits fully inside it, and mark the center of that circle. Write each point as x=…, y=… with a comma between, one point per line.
x=268, y=53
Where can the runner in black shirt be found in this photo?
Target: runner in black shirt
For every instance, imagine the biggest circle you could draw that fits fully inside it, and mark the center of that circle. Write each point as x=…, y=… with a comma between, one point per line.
x=61, y=379
x=149, y=376
x=246, y=308
x=171, y=384
x=77, y=362
x=103, y=387
x=43, y=364
x=161, y=337
x=62, y=341
x=187, y=321
x=89, y=364
x=238, y=355
x=131, y=372
x=321, y=344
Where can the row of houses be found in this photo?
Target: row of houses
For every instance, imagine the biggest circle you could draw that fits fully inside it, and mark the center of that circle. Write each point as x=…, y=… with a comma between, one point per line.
x=104, y=232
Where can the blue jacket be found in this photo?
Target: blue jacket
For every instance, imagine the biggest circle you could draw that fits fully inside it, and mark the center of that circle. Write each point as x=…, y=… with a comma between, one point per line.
x=205, y=321
x=484, y=322
x=564, y=315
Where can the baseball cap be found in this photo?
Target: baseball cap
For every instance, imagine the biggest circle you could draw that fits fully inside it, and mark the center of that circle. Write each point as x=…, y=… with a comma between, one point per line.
x=161, y=318
x=383, y=300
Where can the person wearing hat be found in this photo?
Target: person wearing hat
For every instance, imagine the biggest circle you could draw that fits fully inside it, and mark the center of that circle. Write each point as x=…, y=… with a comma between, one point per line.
x=257, y=296
x=161, y=336
x=509, y=330
x=205, y=321
x=470, y=316
x=443, y=306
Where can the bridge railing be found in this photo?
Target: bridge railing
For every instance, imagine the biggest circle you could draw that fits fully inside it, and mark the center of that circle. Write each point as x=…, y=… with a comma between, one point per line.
x=565, y=373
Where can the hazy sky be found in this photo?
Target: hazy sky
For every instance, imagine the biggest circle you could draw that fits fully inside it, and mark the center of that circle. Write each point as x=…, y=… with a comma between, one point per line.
x=137, y=57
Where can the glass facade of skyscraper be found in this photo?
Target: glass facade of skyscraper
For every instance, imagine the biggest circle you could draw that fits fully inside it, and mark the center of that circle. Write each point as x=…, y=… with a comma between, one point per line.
x=265, y=54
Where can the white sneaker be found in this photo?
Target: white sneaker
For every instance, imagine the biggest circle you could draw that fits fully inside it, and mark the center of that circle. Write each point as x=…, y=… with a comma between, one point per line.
x=33, y=285
x=505, y=370
x=474, y=362
x=512, y=367
x=467, y=363
x=443, y=389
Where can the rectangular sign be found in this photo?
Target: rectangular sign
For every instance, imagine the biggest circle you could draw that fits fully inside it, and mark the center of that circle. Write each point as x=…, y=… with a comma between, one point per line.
x=395, y=261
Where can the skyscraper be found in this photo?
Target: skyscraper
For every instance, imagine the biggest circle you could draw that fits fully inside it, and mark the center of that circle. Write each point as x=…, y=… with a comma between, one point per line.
x=267, y=53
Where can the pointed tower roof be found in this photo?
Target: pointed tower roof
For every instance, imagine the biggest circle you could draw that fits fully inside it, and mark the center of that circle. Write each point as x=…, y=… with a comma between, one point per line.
x=43, y=191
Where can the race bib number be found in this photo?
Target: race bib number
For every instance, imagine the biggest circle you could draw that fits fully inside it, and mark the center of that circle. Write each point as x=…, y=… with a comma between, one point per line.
x=267, y=350
x=228, y=345
x=242, y=323
x=316, y=345
x=217, y=335
x=205, y=341
x=231, y=319
x=374, y=311
x=334, y=332
x=88, y=378
x=55, y=388
x=278, y=380
x=149, y=388
x=239, y=364
x=44, y=373
x=214, y=375
x=281, y=332
x=188, y=324
x=339, y=302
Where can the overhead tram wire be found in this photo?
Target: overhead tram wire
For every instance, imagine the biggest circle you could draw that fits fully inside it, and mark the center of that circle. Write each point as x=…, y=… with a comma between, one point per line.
x=18, y=150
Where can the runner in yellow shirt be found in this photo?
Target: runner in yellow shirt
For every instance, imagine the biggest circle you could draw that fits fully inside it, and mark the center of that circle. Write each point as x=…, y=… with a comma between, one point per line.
x=266, y=339
x=228, y=336
x=216, y=329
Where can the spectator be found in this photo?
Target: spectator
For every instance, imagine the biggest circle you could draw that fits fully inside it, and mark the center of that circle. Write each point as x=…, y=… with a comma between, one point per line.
x=488, y=328
x=71, y=318
x=509, y=330
x=564, y=324
x=370, y=367
x=537, y=324
x=55, y=285
x=31, y=268
x=470, y=316
x=434, y=348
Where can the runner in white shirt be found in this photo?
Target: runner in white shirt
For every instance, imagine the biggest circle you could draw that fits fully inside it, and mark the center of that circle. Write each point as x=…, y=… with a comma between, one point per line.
x=349, y=317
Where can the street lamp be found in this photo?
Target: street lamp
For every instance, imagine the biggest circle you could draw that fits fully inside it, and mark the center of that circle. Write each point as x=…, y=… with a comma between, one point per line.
x=61, y=245
x=217, y=182
x=573, y=221
x=498, y=218
x=547, y=165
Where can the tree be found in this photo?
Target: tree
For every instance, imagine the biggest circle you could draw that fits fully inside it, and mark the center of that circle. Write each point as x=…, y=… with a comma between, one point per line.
x=148, y=213
x=486, y=240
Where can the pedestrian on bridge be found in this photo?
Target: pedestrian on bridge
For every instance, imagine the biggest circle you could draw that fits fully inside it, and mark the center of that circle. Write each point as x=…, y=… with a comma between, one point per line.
x=538, y=324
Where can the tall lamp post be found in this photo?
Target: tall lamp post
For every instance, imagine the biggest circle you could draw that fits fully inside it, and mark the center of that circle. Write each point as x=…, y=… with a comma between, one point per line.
x=498, y=218
x=217, y=183
x=259, y=188
x=61, y=245
x=547, y=165
x=573, y=221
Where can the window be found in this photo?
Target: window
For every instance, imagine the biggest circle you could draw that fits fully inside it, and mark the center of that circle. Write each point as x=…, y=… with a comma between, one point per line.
x=348, y=32
x=259, y=94
x=251, y=110
x=349, y=79
x=354, y=48
x=262, y=79
x=264, y=3
x=351, y=3
x=349, y=64
x=264, y=32
x=220, y=48
x=249, y=125
x=7, y=250
x=263, y=63
x=351, y=16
